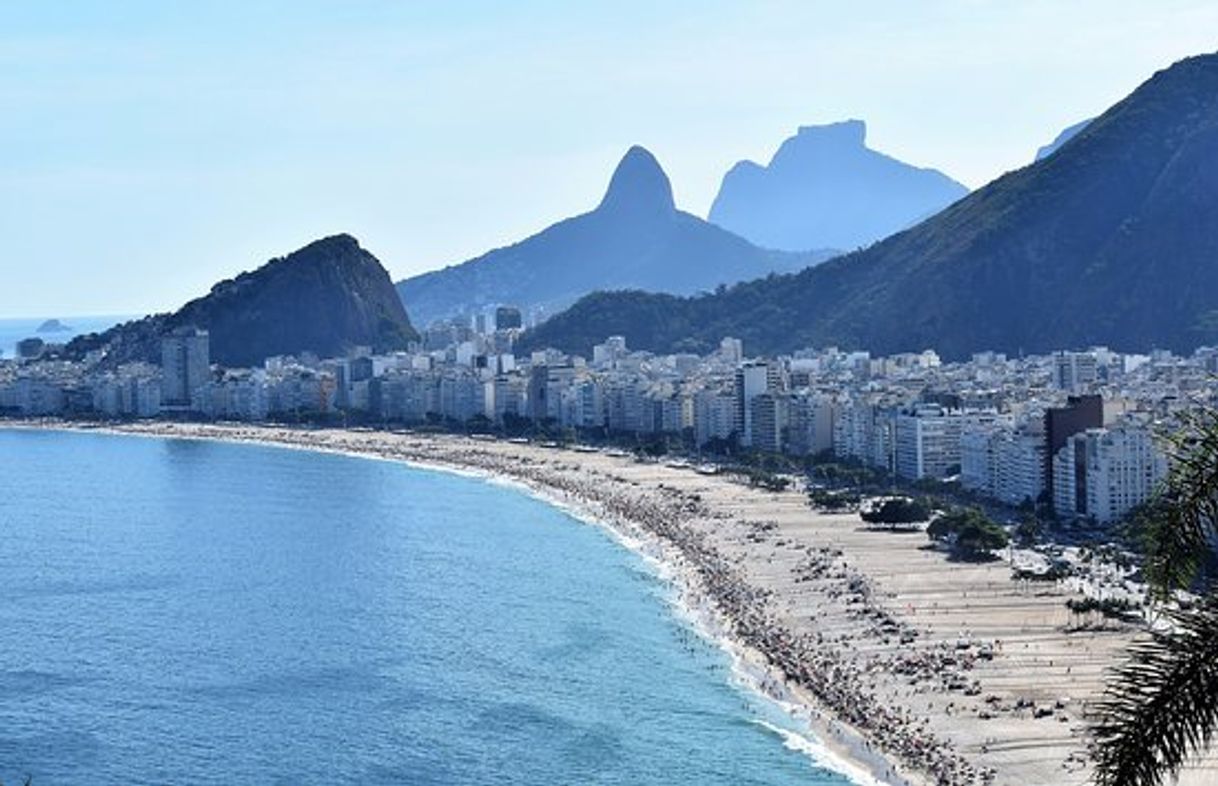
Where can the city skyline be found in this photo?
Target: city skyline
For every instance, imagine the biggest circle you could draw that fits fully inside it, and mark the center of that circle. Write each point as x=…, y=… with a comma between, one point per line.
x=693, y=392
x=1014, y=430
x=175, y=147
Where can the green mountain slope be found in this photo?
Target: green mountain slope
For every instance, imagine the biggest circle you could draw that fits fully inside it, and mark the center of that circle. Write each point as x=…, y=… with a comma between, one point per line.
x=635, y=238
x=1112, y=240
x=324, y=298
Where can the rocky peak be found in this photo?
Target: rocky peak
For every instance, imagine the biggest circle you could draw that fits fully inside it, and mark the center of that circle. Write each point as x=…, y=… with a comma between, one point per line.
x=638, y=186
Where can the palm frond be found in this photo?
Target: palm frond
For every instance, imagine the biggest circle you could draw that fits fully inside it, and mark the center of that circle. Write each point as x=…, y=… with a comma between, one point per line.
x=1186, y=515
x=1161, y=708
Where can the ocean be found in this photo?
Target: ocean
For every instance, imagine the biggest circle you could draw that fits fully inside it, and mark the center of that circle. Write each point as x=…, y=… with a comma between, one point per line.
x=184, y=612
x=14, y=330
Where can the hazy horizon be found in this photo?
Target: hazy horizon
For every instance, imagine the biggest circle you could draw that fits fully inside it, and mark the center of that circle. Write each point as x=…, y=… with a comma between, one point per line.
x=151, y=154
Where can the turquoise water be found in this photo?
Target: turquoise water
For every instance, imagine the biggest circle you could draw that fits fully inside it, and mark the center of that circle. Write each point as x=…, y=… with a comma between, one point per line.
x=201, y=613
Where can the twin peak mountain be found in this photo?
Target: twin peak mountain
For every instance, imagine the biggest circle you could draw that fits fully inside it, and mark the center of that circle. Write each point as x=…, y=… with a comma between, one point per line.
x=332, y=294
x=636, y=238
x=1111, y=237
x=823, y=190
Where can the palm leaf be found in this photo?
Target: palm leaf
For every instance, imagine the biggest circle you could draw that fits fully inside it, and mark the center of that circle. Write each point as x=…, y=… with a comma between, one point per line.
x=1161, y=708
x=1183, y=527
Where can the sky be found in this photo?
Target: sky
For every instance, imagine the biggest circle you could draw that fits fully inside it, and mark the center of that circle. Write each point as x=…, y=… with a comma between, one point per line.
x=149, y=149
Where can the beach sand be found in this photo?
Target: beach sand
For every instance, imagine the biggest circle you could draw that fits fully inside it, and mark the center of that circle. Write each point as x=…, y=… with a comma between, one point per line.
x=862, y=631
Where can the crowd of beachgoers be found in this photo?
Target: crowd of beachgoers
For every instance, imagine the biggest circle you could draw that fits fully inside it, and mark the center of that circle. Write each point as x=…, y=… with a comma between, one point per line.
x=866, y=678
x=827, y=670
x=832, y=672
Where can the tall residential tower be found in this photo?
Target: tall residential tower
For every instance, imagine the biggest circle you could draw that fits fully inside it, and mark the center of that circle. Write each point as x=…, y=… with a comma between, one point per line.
x=185, y=368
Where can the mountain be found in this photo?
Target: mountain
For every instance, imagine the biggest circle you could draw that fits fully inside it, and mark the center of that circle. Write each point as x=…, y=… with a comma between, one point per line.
x=1061, y=139
x=1112, y=240
x=324, y=298
x=825, y=188
x=636, y=237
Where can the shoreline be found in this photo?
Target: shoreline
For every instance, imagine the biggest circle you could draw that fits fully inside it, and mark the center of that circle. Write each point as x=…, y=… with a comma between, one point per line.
x=842, y=749
x=866, y=639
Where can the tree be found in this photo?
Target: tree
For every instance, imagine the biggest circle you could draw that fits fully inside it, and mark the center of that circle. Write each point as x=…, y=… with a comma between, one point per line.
x=1161, y=705
x=978, y=538
x=654, y=446
x=517, y=425
x=969, y=532
x=723, y=446
x=1029, y=529
x=833, y=501
x=480, y=424
x=763, y=478
x=899, y=510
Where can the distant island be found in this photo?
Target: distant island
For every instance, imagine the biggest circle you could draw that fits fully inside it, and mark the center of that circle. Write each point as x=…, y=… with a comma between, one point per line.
x=53, y=326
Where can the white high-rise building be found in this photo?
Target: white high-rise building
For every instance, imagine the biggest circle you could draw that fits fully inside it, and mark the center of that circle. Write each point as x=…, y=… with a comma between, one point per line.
x=752, y=379
x=626, y=407
x=769, y=422
x=811, y=419
x=1075, y=371
x=1066, y=481
x=928, y=442
x=864, y=432
x=1021, y=468
x=185, y=368
x=587, y=404
x=1103, y=473
x=1002, y=462
x=979, y=456
x=509, y=395
x=714, y=415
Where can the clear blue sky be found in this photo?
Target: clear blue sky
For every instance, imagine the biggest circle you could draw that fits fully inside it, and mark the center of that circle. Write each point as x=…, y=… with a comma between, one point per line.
x=148, y=149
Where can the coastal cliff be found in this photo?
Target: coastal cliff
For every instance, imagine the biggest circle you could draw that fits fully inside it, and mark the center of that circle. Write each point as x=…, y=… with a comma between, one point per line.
x=324, y=298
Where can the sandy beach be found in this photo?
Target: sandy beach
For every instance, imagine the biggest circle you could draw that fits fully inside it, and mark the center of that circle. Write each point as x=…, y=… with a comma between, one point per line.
x=915, y=668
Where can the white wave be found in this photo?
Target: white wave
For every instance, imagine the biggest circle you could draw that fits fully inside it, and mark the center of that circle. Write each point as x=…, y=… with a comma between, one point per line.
x=686, y=597
x=820, y=755
x=690, y=604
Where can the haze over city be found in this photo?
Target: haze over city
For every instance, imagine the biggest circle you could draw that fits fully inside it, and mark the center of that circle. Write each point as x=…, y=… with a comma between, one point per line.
x=681, y=394
x=173, y=145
